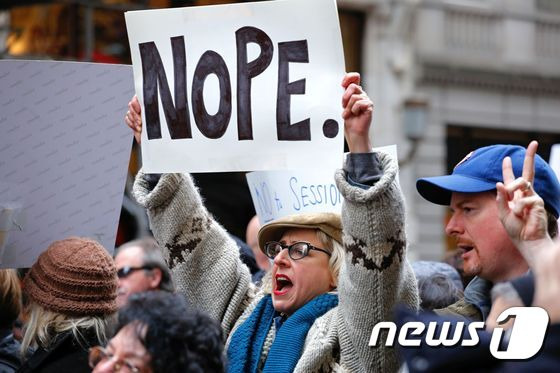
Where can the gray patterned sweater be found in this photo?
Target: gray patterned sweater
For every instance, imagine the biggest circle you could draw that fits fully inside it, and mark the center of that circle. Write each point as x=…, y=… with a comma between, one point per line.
x=374, y=276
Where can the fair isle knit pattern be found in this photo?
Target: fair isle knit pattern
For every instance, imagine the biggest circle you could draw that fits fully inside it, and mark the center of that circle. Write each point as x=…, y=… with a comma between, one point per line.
x=374, y=276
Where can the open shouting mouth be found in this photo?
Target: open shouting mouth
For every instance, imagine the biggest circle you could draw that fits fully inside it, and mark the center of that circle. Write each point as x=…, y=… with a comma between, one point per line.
x=282, y=284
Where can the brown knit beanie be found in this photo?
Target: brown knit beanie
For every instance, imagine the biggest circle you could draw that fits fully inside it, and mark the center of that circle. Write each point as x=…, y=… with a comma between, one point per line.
x=75, y=276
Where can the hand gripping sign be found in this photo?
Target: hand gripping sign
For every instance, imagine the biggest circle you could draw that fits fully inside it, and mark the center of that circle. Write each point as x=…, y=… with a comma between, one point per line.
x=251, y=86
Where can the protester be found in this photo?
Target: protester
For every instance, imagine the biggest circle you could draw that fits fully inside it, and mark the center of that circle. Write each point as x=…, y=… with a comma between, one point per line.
x=327, y=294
x=141, y=267
x=470, y=191
x=252, y=240
x=10, y=307
x=439, y=284
x=158, y=332
x=72, y=291
x=526, y=221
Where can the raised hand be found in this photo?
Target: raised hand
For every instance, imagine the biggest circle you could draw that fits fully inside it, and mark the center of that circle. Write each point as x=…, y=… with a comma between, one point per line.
x=520, y=208
x=357, y=114
x=133, y=118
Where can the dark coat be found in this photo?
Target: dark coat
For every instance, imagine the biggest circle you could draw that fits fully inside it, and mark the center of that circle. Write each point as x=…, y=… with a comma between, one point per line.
x=66, y=354
x=9, y=352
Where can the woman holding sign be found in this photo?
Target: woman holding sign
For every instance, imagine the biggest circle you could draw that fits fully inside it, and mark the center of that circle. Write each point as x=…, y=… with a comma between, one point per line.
x=333, y=278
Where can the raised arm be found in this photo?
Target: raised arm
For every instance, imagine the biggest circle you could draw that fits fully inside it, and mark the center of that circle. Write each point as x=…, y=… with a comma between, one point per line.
x=203, y=259
x=375, y=275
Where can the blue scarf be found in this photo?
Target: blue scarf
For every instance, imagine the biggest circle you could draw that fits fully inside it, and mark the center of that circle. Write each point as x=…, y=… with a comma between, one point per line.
x=247, y=342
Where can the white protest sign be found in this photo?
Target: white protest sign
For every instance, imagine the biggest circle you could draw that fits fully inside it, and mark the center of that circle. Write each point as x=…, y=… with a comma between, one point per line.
x=64, y=152
x=251, y=86
x=280, y=193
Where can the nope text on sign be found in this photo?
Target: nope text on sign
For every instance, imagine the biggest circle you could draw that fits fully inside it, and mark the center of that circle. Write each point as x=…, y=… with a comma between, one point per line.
x=215, y=125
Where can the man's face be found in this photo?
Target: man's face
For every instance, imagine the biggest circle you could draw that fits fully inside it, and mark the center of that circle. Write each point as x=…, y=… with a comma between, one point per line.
x=137, y=280
x=487, y=249
x=296, y=282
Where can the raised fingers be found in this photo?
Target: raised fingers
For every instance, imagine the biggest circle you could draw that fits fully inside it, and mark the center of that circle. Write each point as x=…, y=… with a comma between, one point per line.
x=135, y=104
x=351, y=90
x=521, y=185
x=527, y=203
x=507, y=171
x=350, y=78
x=529, y=161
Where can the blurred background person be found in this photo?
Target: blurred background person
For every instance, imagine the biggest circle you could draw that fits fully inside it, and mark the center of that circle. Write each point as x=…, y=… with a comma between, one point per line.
x=158, y=332
x=141, y=267
x=72, y=292
x=10, y=307
x=439, y=284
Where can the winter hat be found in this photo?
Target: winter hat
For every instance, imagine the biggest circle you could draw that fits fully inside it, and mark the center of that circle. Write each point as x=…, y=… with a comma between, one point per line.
x=327, y=222
x=75, y=276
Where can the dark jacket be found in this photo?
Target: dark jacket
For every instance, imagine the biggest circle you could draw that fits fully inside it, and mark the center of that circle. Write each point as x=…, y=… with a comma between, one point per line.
x=9, y=352
x=65, y=354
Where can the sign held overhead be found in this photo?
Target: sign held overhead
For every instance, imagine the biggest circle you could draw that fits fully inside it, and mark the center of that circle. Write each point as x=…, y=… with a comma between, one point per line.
x=237, y=87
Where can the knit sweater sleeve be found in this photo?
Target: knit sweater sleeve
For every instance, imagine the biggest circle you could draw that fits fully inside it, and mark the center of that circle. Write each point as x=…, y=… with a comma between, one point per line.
x=375, y=274
x=203, y=259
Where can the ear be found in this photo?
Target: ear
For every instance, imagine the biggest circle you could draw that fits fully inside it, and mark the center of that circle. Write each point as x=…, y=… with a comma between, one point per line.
x=155, y=278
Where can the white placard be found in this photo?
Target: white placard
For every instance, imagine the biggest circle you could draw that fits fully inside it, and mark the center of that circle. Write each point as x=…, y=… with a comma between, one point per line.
x=252, y=86
x=280, y=193
x=64, y=152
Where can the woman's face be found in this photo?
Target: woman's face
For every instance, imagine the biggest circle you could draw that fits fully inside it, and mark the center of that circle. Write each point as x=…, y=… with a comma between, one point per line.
x=296, y=282
x=125, y=350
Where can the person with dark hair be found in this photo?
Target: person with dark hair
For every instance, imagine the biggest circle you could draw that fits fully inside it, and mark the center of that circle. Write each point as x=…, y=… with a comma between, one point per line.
x=439, y=284
x=141, y=267
x=470, y=191
x=158, y=332
x=10, y=307
x=72, y=299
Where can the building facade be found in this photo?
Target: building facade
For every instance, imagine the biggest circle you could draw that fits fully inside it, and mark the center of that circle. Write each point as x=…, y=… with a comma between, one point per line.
x=448, y=76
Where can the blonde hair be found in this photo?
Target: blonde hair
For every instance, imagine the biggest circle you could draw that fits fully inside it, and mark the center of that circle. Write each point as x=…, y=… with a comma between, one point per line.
x=44, y=325
x=10, y=297
x=335, y=261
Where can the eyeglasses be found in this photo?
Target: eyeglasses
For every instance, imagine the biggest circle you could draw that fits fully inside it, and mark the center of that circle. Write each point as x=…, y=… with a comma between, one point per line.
x=296, y=251
x=99, y=354
x=126, y=270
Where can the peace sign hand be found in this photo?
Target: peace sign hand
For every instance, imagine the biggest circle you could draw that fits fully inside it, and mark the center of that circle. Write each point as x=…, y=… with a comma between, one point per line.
x=520, y=208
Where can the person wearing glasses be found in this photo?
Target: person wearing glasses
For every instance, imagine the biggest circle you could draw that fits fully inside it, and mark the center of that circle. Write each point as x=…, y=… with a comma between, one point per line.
x=332, y=279
x=158, y=332
x=141, y=267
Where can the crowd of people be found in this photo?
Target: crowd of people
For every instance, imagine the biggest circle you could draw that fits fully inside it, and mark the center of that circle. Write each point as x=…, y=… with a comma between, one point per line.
x=301, y=293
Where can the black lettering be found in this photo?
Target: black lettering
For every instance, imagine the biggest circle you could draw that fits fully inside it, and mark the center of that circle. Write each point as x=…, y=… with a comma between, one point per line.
x=292, y=51
x=248, y=70
x=211, y=126
x=178, y=121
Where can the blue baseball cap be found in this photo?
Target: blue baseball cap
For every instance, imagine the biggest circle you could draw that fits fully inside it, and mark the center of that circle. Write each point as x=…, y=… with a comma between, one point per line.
x=481, y=169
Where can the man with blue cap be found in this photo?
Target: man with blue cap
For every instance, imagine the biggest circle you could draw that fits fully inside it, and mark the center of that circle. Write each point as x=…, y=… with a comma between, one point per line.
x=487, y=251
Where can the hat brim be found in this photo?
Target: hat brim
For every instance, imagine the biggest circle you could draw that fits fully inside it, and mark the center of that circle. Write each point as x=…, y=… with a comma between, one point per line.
x=328, y=223
x=438, y=189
